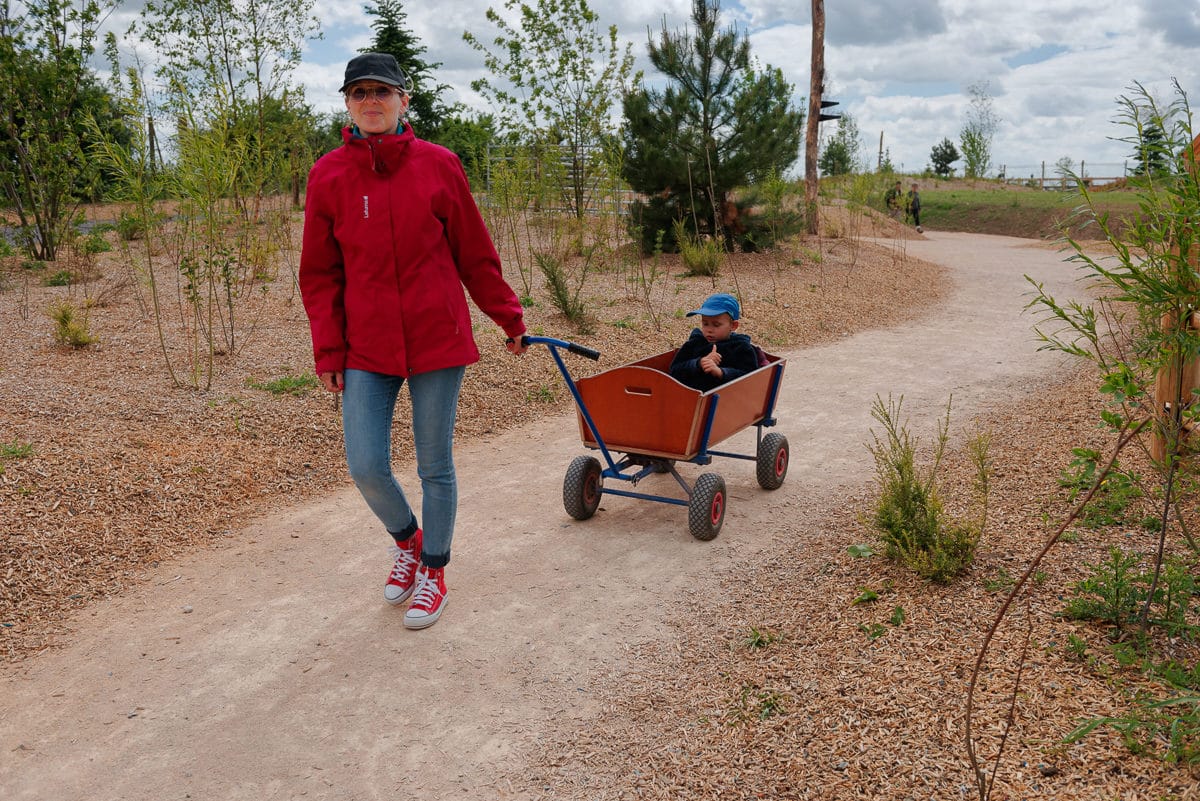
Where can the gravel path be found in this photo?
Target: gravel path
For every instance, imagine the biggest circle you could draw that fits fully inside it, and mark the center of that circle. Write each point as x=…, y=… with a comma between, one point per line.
x=272, y=669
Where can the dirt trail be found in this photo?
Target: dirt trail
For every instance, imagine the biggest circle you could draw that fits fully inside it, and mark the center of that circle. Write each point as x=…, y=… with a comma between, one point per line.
x=273, y=669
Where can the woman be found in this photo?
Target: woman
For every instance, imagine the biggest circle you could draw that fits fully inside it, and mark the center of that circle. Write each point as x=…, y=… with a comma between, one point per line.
x=391, y=237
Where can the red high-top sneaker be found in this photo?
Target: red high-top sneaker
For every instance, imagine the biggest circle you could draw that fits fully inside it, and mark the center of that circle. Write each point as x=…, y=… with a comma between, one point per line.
x=429, y=600
x=402, y=579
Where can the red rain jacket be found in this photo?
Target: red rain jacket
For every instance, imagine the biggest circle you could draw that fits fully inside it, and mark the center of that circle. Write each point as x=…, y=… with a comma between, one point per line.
x=391, y=237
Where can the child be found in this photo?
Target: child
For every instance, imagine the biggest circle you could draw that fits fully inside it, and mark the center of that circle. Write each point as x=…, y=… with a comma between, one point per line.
x=894, y=201
x=714, y=354
x=913, y=207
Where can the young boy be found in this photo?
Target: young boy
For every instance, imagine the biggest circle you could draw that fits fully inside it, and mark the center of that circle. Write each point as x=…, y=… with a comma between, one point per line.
x=714, y=354
x=912, y=207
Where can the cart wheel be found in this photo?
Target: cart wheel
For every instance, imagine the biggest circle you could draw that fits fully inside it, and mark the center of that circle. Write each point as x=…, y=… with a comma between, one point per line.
x=772, y=461
x=581, y=487
x=706, y=510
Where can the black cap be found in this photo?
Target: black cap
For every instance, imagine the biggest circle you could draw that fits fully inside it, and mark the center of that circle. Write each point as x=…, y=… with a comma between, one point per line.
x=380, y=67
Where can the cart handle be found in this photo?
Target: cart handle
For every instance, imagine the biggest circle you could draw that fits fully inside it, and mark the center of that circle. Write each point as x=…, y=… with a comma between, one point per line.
x=578, y=350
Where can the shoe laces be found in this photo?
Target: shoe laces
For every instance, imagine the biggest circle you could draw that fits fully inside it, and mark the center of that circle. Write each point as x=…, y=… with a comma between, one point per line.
x=406, y=562
x=428, y=592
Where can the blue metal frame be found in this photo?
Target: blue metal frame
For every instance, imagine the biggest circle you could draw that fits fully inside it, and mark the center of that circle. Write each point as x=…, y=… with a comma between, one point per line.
x=649, y=465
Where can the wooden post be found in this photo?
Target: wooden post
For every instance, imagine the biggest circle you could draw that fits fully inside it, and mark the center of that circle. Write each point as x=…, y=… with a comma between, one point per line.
x=1174, y=384
x=152, y=145
x=816, y=83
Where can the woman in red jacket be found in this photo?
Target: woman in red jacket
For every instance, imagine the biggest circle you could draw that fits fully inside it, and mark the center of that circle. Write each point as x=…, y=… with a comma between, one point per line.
x=392, y=236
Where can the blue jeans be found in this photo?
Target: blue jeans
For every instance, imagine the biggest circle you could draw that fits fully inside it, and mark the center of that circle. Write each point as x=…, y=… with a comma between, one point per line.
x=368, y=404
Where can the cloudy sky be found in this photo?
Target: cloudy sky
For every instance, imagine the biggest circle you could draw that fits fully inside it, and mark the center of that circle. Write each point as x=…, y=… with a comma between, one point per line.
x=1054, y=68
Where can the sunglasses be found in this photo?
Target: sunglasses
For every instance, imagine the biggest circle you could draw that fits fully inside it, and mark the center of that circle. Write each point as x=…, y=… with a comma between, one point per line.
x=381, y=93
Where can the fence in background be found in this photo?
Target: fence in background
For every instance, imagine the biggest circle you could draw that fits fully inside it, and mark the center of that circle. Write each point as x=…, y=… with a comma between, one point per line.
x=1050, y=176
x=555, y=163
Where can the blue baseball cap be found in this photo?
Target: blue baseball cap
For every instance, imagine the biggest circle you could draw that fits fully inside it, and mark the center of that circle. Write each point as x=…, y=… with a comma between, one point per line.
x=720, y=303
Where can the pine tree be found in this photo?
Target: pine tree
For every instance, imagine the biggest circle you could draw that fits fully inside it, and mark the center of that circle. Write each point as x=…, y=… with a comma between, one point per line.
x=1153, y=156
x=942, y=155
x=425, y=109
x=721, y=123
x=841, y=153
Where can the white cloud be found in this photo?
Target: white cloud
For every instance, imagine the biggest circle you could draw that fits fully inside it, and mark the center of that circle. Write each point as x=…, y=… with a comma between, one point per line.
x=883, y=22
x=1177, y=20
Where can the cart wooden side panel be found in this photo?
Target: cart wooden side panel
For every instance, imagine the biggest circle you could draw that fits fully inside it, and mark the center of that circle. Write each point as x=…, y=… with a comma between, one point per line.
x=639, y=408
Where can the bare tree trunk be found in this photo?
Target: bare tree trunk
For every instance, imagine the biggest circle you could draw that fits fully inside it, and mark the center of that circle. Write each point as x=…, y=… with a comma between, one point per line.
x=816, y=88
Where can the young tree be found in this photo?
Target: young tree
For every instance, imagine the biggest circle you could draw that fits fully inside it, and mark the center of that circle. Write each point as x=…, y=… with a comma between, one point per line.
x=469, y=136
x=978, y=131
x=226, y=64
x=841, y=153
x=943, y=154
x=565, y=74
x=1152, y=157
x=47, y=92
x=886, y=167
x=391, y=36
x=720, y=123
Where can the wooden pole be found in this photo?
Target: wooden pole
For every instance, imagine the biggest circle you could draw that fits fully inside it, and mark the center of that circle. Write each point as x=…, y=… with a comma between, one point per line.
x=152, y=144
x=1174, y=384
x=816, y=84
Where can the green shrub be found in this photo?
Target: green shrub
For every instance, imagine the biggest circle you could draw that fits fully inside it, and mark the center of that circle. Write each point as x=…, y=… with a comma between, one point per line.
x=68, y=329
x=1110, y=594
x=131, y=226
x=95, y=243
x=1119, y=589
x=910, y=520
x=700, y=256
x=565, y=298
x=1169, y=726
x=1112, y=497
x=60, y=278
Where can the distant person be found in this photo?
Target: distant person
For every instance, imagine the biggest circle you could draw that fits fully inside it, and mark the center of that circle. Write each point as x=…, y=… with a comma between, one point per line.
x=894, y=201
x=912, y=207
x=714, y=353
x=392, y=235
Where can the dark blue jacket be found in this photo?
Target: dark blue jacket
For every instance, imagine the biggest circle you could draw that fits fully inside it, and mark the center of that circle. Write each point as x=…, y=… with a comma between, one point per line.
x=738, y=357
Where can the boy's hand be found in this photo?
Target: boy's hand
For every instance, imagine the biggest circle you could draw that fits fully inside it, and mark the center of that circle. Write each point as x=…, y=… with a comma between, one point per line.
x=711, y=364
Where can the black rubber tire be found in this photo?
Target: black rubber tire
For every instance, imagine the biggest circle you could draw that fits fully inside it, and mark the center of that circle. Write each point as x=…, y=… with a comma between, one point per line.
x=773, y=457
x=581, y=487
x=706, y=509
